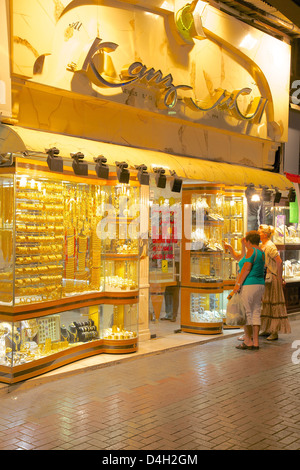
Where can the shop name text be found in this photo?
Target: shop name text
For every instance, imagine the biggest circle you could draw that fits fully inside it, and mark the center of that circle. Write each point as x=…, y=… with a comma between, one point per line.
x=138, y=72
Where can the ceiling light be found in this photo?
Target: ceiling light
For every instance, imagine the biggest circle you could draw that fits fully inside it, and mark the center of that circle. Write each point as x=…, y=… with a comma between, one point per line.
x=143, y=175
x=54, y=162
x=255, y=197
x=160, y=177
x=266, y=194
x=79, y=166
x=101, y=168
x=176, y=184
x=277, y=197
x=292, y=195
x=123, y=173
x=250, y=191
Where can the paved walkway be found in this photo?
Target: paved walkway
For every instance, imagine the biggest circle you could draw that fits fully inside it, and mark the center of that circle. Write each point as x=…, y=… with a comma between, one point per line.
x=205, y=396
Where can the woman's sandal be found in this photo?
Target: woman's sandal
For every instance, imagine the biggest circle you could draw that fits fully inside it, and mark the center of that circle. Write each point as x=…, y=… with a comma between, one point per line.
x=244, y=346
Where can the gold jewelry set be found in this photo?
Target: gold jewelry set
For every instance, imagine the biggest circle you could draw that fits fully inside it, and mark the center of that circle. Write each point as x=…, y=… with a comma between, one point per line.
x=57, y=249
x=118, y=331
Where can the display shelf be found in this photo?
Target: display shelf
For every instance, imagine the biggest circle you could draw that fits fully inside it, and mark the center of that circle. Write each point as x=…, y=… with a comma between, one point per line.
x=32, y=342
x=214, y=213
x=287, y=240
x=59, y=239
x=46, y=342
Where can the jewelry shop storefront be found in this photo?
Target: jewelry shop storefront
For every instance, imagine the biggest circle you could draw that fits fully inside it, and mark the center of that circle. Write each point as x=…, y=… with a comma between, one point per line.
x=117, y=181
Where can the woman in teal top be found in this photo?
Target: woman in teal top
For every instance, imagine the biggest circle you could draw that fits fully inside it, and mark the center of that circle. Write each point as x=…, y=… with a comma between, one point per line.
x=250, y=283
x=257, y=260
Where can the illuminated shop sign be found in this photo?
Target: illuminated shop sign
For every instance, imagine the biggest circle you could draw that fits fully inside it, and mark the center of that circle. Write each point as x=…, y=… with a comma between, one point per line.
x=138, y=72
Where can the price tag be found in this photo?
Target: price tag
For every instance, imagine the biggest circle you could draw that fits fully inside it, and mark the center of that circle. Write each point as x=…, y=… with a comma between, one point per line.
x=164, y=266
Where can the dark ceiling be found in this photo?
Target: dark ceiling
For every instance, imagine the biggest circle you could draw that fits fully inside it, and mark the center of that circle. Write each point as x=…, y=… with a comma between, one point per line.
x=276, y=17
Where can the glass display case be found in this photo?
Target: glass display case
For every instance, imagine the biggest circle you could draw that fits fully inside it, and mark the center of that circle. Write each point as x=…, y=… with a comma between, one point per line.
x=204, y=312
x=212, y=214
x=235, y=210
x=206, y=250
x=119, y=230
x=287, y=230
x=119, y=322
x=59, y=239
x=67, y=242
x=26, y=346
x=287, y=240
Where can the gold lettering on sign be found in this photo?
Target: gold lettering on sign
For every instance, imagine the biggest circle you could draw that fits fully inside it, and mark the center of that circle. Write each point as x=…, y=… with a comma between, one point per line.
x=138, y=72
x=226, y=100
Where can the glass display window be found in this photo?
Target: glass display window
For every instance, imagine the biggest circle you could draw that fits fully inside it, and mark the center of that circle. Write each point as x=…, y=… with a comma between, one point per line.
x=235, y=209
x=201, y=311
x=287, y=239
x=69, y=247
x=206, y=222
x=291, y=265
x=287, y=230
x=162, y=261
x=121, y=274
x=119, y=231
x=119, y=322
x=206, y=307
x=62, y=238
x=39, y=240
x=36, y=339
x=212, y=214
x=206, y=267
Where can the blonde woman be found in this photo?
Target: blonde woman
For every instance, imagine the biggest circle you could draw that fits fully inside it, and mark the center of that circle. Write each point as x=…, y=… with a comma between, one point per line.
x=274, y=317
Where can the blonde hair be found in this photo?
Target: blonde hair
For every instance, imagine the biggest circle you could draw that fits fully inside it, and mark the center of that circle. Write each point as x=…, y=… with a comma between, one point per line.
x=267, y=230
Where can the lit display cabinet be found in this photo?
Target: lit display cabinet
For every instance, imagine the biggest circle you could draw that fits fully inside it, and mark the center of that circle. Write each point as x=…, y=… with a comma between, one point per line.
x=287, y=240
x=202, y=313
x=213, y=213
x=235, y=217
x=121, y=245
x=69, y=263
x=31, y=346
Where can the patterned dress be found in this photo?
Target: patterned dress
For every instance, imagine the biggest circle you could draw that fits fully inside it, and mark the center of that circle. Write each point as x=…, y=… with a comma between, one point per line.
x=274, y=318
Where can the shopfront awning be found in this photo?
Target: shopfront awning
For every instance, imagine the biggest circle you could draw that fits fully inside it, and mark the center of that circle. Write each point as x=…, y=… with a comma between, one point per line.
x=293, y=178
x=19, y=139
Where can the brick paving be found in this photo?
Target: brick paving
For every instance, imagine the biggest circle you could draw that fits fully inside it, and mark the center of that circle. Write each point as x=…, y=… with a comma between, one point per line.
x=202, y=397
